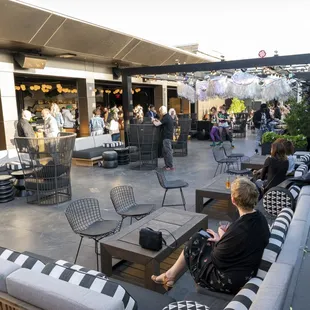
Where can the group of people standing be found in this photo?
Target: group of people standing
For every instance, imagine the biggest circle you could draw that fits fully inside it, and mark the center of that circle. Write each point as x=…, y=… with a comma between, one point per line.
x=221, y=125
x=55, y=120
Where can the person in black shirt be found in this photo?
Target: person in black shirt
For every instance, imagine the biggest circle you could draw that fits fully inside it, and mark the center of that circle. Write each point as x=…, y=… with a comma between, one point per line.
x=167, y=124
x=275, y=168
x=227, y=260
x=24, y=129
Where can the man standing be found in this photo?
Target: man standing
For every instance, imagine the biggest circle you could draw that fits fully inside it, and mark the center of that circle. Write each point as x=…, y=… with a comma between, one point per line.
x=260, y=119
x=24, y=129
x=167, y=124
x=151, y=112
x=51, y=129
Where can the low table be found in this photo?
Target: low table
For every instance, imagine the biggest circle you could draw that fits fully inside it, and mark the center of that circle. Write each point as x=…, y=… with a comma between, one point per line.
x=216, y=190
x=125, y=244
x=255, y=162
x=19, y=184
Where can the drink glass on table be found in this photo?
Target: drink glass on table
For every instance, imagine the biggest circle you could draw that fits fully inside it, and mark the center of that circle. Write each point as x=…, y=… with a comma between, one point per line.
x=227, y=184
x=224, y=225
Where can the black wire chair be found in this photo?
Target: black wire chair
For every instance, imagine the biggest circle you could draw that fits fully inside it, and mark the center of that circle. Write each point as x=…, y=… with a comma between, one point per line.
x=229, y=154
x=222, y=160
x=85, y=220
x=171, y=184
x=124, y=203
x=46, y=163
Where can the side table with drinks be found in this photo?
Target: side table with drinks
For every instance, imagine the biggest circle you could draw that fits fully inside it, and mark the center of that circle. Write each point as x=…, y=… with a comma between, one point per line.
x=217, y=189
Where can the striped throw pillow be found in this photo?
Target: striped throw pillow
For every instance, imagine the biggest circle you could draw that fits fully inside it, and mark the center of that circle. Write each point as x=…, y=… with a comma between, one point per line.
x=244, y=299
x=186, y=305
x=305, y=158
x=277, y=237
x=21, y=260
x=91, y=282
x=301, y=170
x=113, y=144
x=295, y=190
x=79, y=268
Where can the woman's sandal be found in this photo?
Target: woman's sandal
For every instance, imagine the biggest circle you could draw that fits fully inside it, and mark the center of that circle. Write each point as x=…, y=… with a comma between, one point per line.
x=166, y=282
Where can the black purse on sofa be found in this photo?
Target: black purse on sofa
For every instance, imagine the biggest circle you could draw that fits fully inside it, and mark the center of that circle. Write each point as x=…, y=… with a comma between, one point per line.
x=153, y=240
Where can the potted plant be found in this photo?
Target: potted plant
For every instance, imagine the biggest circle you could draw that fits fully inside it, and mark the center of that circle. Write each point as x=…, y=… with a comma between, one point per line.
x=298, y=119
x=267, y=139
x=299, y=141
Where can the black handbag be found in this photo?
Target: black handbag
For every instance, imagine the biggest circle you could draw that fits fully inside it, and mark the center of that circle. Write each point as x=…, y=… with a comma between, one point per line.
x=151, y=239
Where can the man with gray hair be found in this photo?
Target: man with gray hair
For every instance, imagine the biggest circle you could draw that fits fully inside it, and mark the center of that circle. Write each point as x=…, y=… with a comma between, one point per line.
x=167, y=124
x=24, y=129
x=51, y=129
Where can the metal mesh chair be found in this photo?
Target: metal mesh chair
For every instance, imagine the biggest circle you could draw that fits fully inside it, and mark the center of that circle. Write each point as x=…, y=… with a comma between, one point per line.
x=46, y=163
x=229, y=154
x=85, y=220
x=123, y=200
x=171, y=184
x=221, y=159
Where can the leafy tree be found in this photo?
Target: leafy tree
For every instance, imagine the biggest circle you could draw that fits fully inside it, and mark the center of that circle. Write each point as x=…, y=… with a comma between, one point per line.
x=237, y=106
x=298, y=119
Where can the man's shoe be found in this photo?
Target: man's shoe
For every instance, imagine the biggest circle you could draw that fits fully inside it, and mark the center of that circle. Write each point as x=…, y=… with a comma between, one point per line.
x=212, y=144
x=169, y=168
x=256, y=151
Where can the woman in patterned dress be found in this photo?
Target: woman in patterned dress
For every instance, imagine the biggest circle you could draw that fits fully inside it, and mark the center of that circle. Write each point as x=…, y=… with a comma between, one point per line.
x=227, y=260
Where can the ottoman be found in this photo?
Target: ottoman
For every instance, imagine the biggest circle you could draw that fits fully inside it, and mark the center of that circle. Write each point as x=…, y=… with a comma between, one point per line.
x=123, y=156
x=185, y=304
x=7, y=192
x=109, y=159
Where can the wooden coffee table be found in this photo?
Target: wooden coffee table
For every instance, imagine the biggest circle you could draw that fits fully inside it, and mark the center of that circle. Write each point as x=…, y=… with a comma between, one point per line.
x=125, y=244
x=216, y=190
x=255, y=162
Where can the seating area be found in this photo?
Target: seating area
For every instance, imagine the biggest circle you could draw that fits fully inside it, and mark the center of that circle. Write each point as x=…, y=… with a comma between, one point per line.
x=131, y=201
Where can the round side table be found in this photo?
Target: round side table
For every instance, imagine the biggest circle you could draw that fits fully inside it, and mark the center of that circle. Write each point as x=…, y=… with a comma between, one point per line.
x=7, y=192
x=123, y=156
x=19, y=183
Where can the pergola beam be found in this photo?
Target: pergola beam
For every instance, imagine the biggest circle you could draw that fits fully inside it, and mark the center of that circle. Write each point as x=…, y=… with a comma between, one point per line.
x=221, y=65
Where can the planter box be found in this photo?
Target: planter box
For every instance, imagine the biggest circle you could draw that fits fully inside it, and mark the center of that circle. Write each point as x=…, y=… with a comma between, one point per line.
x=266, y=148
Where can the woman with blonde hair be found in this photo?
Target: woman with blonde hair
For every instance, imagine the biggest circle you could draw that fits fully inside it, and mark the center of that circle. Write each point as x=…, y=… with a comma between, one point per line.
x=226, y=260
x=55, y=111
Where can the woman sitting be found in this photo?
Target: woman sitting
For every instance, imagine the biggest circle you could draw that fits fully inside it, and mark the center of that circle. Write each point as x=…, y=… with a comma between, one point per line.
x=275, y=168
x=227, y=260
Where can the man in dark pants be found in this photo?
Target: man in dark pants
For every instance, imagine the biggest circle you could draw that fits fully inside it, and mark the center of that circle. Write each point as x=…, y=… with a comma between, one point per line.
x=167, y=123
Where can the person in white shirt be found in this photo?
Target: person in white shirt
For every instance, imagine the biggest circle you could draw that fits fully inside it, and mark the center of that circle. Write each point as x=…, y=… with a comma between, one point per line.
x=51, y=129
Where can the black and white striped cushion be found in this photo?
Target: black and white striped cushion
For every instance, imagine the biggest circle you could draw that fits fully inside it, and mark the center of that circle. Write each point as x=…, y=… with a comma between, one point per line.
x=301, y=170
x=112, y=144
x=295, y=190
x=277, y=237
x=14, y=165
x=186, y=305
x=22, y=260
x=82, y=269
x=244, y=299
x=305, y=158
x=91, y=282
x=276, y=199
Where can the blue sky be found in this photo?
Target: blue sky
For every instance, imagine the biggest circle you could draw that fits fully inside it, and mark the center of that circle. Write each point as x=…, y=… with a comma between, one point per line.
x=236, y=28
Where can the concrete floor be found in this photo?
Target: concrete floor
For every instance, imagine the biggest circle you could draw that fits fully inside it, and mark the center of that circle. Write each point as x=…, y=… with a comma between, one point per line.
x=45, y=230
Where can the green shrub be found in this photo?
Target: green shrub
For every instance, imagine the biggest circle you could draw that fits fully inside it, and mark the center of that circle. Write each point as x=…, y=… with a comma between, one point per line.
x=299, y=141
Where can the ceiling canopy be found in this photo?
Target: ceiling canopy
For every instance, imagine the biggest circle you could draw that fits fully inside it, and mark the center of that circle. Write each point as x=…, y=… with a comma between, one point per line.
x=24, y=28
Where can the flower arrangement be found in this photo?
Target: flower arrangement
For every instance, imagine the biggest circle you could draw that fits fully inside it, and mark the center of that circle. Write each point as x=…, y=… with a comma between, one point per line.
x=237, y=106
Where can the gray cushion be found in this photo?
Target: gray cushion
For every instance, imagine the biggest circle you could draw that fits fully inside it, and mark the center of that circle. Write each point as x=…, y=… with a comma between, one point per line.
x=292, y=245
x=273, y=290
x=98, y=284
x=6, y=268
x=305, y=190
x=302, y=208
x=48, y=293
x=89, y=153
x=99, y=140
x=84, y=143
